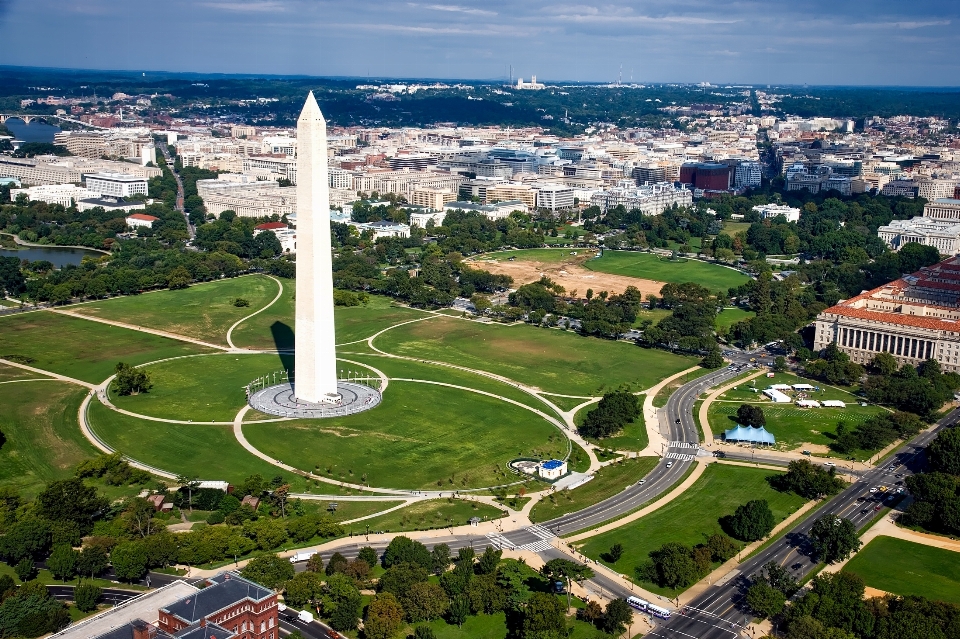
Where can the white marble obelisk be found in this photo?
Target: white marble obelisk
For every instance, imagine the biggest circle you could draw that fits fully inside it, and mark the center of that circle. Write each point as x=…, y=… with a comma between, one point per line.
x=315, y=377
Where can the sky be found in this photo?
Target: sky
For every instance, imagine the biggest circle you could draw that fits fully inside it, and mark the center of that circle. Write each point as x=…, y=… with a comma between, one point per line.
x=817, y=42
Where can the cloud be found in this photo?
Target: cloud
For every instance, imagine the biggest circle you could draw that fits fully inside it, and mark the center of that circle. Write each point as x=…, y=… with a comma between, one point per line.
x=452, y=8
x=901, y=24
x=246, y=7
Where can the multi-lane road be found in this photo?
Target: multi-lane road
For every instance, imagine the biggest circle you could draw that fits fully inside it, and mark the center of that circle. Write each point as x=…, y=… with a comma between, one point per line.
x=719, y=613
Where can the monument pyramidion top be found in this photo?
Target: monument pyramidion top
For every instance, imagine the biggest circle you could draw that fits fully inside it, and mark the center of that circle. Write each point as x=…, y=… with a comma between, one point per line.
x=311, y=110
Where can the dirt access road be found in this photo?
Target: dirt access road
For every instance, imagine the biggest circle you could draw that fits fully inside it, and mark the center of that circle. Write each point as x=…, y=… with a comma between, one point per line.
x=568, y=272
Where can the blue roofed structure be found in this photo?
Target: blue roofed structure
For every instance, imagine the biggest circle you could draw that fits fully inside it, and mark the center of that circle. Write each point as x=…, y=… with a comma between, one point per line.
x=749, y=434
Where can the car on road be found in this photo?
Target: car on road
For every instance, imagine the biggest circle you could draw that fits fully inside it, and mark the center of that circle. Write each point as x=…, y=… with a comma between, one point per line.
x=678, y=420
x=669, y=464
x=878, y=507
x=829, y=464
x=807, y=453
x=641, y=482
x=873, y=490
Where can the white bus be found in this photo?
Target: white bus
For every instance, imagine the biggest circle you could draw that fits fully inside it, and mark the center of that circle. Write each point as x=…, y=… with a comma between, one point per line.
x=639, y=604
x=657, y=611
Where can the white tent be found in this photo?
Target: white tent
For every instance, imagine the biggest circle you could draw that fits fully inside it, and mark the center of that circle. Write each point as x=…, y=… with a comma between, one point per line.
x=802, y=387
x=780, y=387
x=808, y=403
x=834, y=403
x=776, y=396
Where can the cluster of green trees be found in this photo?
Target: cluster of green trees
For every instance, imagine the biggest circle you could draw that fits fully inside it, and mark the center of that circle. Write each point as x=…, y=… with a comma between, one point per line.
x=677, y=565
x=936, y=493
x=614, y=411
x=835, y=608
x=421, y=585
x=690, y=325
x=808, y=480
x=877, y=432
x=234, y=235
x=637, y=230
x=130, y=380
x=602, y=315
x=29, y=611
x=921, y=389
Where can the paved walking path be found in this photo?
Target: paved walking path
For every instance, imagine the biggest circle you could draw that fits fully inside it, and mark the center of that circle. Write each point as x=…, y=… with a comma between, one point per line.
x=651, y=419
x=40, y=371
x=244, y=319
x=142, y=329
x=705, y=406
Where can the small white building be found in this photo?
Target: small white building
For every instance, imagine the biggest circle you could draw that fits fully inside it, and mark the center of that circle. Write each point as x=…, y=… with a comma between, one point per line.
x=770, y=211
x=553, y=469
x=141, y=219
x=383, y=228
x=66, y=195
x=834, y=403
x=421, y=218
x=116, y=184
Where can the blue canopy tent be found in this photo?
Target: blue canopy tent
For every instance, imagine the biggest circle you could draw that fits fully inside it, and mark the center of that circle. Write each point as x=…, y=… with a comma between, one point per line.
x=749, y=434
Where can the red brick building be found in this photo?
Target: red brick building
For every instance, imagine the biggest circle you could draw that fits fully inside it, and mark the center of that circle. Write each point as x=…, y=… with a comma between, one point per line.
x=229, y=601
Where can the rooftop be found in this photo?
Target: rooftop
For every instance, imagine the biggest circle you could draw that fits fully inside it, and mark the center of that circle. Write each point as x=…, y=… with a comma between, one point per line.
x=551, y=464
x=145, y=607
x=226, y=589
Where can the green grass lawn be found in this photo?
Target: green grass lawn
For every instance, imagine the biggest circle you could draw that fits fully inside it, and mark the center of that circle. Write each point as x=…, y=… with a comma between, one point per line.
x=208, y=452
x=421, y=436
x=607, y=482
x=274, y=328
x=202, y=311
x=791, y=425
x=12, y=373
x=554, y=361
x=346, y=510
x=79, y=348
x=730, y=316
x=565, y=403
x=660, y=399
x=425, y=515
x=652, y=267
x=654, y=315
x=44, y=443
x=732, y=228
x=692, y=516
x=905, y=568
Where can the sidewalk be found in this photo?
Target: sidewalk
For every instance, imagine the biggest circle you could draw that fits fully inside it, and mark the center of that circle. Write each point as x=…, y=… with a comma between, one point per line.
x=651, y=419
x=702, y=414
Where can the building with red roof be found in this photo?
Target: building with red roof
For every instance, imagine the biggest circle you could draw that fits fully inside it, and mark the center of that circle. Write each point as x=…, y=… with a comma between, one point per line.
x=914, y=319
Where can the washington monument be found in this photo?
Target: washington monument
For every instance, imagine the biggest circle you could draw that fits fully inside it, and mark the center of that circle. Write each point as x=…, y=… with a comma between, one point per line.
x=316, y=359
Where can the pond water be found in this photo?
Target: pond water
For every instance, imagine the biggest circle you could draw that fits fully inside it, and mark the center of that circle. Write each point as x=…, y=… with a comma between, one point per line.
x=59, y=256
x=36, y=131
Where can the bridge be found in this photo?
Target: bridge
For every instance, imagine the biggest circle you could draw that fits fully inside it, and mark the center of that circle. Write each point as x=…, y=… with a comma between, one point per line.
x=27, y=119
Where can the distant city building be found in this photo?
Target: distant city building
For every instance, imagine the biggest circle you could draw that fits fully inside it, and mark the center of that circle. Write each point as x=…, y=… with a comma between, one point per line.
x=822, y=179
x=651, y=199
x=770, y=211
x=939, y=226
x=532, y=84
x=110, y=204
x=496, y=211
x=286, y=235
x=433, y=199
x=747, y=175
x=66, y=195
x=116, y=184
x=512, y=191
x=49, y=169
x=423, y=218
x=914, y=319
x=141, y=219
x=555, y=197
x=901, y=188
x=383, y=228
x=709, y=176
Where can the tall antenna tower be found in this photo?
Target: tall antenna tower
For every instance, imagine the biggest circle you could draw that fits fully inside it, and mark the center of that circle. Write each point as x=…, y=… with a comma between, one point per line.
x=511, y=74
x=620, y=75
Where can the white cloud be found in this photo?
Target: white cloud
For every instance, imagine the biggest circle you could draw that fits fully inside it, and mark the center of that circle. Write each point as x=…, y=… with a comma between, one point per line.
x=452, y=8
x=906, y=24
x=246, y=7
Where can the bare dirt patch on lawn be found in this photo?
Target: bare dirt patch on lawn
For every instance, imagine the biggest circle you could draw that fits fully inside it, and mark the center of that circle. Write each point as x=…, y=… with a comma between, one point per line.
x=568, y=273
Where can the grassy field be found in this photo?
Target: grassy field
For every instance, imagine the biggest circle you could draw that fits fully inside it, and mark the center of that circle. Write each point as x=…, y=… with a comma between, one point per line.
x=547, y=256
x=905, y=568
x=660, y=399
x=654, y=315
x=732, y=228
x=202, y=311
x=424, y=515
x=207, y=452
x=406, y=369
x=565, y=403
x=202, y=389
x=692, y=516
x=652, y=267
x=79, y=348
x=12, y=373
x=421, y=436
x=730, y=316
x=554, y=361
x=274, y=328
x=607, y=482
x=792, y=426
x=633, y=437
x=44, y=443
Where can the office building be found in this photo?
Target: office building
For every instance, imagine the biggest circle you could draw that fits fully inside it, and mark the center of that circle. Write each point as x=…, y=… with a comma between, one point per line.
x=709, y=176
x=511, y=191
x=116, y=184
x=433, y=199
x=944, y=235
x=770, y=211
x=914, y=318
x=651, y=199
x=496, y=211
x=747, y=175
x=555, y=197
x=66, y=195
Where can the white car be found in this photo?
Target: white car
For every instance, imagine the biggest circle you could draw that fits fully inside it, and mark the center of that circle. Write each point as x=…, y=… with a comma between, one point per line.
x=829, y=464
x=873, y=490
x=669, y=464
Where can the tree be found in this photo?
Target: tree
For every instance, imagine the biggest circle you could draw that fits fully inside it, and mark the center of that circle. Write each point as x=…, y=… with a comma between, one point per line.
x=544, y=618
x=489, y=560
x=369, y=555
x=191, y=483
x=337, y=563
x=673, y=565
x=440, y=558
x=764, y=600
x=404, y=549
x=780, y=364
x=86, y=597
x=303, y=589
x=422, y=632
x=750, y=415
x=834, y=538
x=342, y=602
x=713, y=359
x=615, y=553
x=179, y=278
x=424, y=602
x=808, y=480
x=270, y=570
x=565, y=570
x=129, y=560
x=130, y=380
x=617, y=617
x=399, y=578
x=459, y=610
x=70, y=500
x=780, y=579
x=25, y=570
x=751, y=521
x=615, y=410
x=883, y=364
x=944, y=452
x=62, y=562
x=28, y=538
x=92, y=561
x=384, y=617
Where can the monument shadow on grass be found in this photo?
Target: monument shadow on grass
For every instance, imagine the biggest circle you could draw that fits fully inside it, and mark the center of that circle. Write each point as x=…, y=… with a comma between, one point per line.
x=284, y=343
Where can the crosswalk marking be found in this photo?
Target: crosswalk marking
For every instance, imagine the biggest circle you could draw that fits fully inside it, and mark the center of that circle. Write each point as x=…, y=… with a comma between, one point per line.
x=500, y=542
x=681, y=456
x=683, y=445
x=541, y=532
x=537, y=546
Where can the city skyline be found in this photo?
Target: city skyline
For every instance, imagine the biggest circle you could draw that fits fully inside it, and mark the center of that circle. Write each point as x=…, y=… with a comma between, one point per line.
x=817, y=44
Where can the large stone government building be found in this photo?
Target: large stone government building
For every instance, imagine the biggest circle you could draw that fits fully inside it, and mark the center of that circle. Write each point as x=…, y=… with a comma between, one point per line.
x=914, y=318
